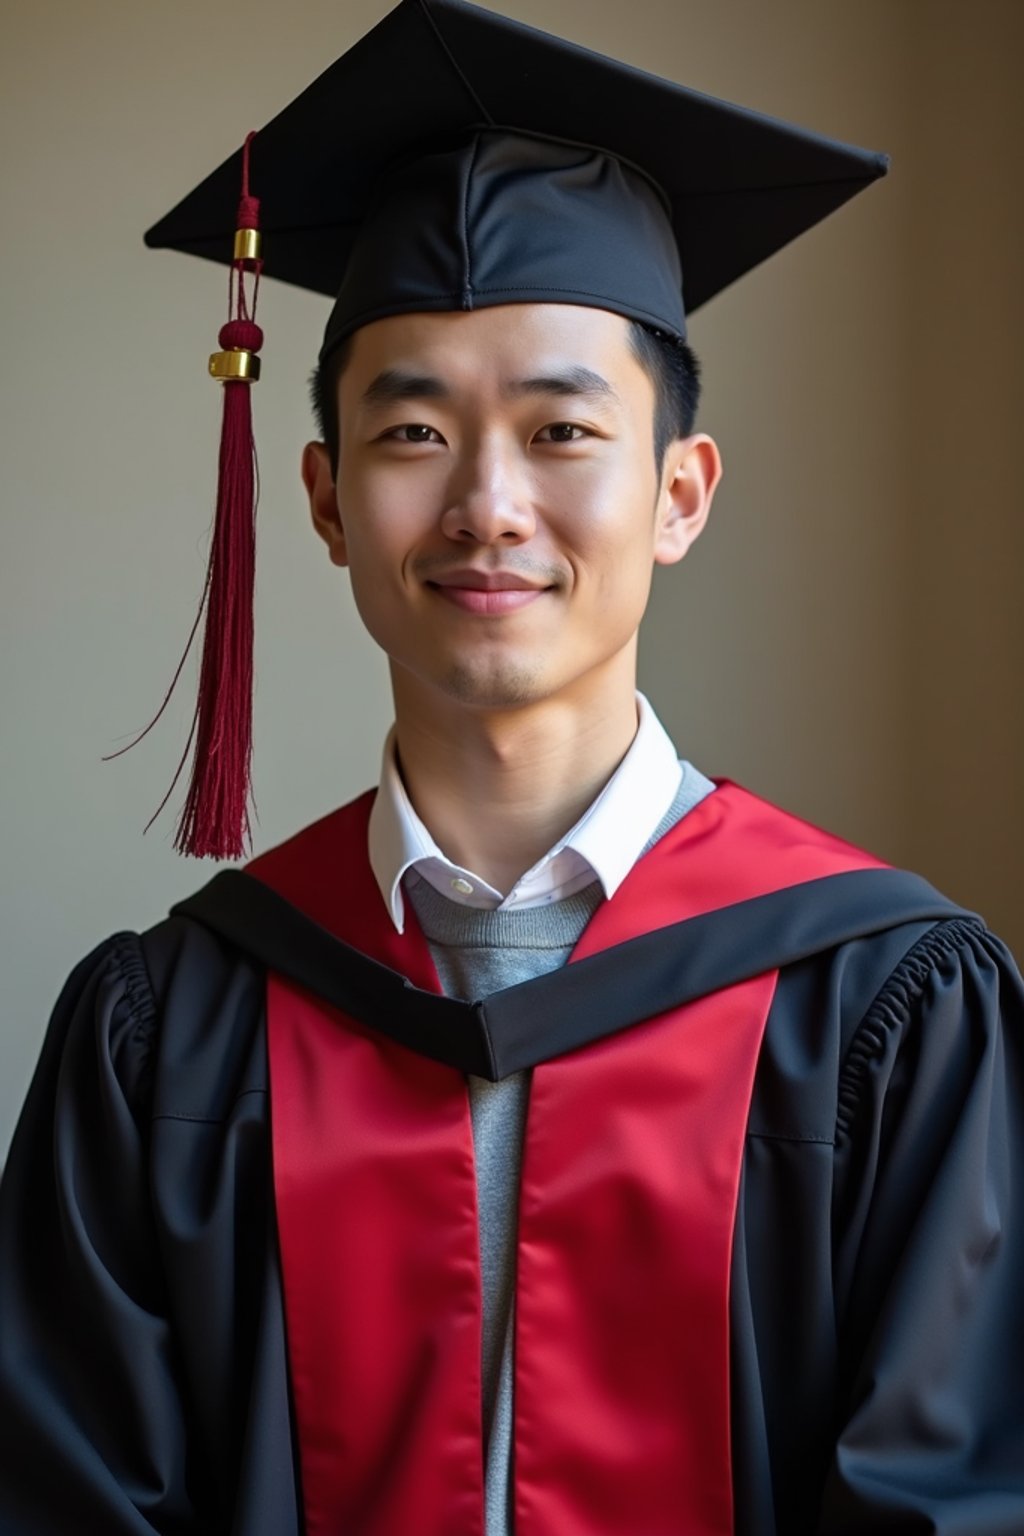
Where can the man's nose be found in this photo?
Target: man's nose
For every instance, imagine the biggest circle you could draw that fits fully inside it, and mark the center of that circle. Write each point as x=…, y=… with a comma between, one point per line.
x=492, y=500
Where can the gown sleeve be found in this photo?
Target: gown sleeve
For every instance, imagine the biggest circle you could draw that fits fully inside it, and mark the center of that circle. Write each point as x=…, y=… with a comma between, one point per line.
x=93, y=1434
x=929, y=1256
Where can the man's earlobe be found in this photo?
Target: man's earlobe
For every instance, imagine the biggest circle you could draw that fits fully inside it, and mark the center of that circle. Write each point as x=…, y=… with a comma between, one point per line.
x=322, y=491
x=692, y=470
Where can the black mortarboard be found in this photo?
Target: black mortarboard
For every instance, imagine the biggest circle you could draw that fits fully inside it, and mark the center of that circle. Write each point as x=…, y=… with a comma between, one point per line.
x=453, y=159
x=456, y=159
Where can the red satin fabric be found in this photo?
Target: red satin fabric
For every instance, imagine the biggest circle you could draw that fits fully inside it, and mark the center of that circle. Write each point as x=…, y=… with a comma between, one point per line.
x=630, y=1179
x=377, y=1220
x=628, y=1199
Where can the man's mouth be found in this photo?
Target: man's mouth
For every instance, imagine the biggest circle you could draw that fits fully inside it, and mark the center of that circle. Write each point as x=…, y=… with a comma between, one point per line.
x=486, y=592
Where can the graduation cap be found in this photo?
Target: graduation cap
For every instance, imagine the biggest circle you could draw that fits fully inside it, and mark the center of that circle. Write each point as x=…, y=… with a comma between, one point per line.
x=453, y=159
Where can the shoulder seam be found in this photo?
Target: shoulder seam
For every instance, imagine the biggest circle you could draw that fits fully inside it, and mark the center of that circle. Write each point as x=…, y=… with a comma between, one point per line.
x=190, y=1118
x=803, y=1139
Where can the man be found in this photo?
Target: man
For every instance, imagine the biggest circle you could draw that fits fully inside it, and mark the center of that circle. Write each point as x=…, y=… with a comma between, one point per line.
x=688, y=1207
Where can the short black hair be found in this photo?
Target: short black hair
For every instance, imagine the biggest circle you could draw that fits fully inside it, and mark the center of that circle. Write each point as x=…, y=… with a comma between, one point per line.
x=674, y=371
x=668, y=362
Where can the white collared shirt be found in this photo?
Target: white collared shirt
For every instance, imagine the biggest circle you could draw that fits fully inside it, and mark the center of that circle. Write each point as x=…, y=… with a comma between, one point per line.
x=604, y=844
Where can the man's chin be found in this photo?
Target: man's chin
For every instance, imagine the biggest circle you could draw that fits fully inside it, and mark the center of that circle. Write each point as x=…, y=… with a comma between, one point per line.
x=509, y=686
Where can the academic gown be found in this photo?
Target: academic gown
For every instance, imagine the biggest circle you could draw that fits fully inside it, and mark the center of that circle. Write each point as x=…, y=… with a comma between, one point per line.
x=151, y=1369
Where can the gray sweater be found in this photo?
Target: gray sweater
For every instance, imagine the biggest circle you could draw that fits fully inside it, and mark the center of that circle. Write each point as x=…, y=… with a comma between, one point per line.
x=478, y=952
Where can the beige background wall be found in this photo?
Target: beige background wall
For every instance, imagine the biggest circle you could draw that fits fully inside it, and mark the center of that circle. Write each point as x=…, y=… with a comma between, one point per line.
x=848, y=637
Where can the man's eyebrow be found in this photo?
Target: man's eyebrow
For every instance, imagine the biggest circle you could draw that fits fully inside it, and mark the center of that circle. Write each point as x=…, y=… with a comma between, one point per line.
x=577, y=381
x=396, y=384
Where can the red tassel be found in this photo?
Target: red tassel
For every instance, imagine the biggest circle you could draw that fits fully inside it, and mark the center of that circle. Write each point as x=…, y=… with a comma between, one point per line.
x=215, y=820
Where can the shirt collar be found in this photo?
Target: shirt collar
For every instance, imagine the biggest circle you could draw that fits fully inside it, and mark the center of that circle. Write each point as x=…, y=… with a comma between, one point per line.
x=604, y=844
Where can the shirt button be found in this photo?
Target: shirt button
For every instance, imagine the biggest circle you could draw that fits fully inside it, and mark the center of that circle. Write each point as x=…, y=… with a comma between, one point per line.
x=463, y=887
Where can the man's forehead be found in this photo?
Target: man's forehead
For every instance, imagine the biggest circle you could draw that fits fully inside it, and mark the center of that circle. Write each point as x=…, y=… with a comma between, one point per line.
x=511, y=344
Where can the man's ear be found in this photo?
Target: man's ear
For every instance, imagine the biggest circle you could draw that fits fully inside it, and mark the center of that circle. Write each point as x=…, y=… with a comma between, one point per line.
x=323, y=500
x=690, y=473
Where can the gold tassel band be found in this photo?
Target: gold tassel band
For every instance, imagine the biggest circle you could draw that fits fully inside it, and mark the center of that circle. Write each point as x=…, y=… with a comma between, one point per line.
x=234, y=365
x=247, y=245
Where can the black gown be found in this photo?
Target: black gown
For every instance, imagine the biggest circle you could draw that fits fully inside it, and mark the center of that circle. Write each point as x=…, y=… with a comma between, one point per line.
x=877, y=1320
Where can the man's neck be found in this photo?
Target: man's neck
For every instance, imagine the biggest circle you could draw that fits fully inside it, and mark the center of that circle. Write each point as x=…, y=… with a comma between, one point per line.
x=498, y=788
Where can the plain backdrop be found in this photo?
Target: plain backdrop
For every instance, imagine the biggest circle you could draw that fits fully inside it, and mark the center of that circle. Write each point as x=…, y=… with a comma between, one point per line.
x=847, y=637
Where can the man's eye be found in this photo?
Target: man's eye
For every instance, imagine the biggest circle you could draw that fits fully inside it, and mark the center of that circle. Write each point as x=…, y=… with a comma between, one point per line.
x=562, y=432
x=415, y=432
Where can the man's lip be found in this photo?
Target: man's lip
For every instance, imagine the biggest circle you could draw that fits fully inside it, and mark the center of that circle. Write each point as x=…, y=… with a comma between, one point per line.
x=486, y=581
x=492, y=601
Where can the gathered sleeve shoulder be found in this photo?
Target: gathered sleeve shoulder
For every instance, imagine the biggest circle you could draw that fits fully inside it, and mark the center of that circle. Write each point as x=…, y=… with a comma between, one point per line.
x=929, y=1249
x=93, y=1438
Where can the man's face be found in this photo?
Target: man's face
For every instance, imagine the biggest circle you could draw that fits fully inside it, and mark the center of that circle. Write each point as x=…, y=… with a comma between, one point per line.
x=497, y=501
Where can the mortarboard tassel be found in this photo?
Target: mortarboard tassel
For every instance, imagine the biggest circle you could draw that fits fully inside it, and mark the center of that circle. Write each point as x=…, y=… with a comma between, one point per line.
x=214, y=822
